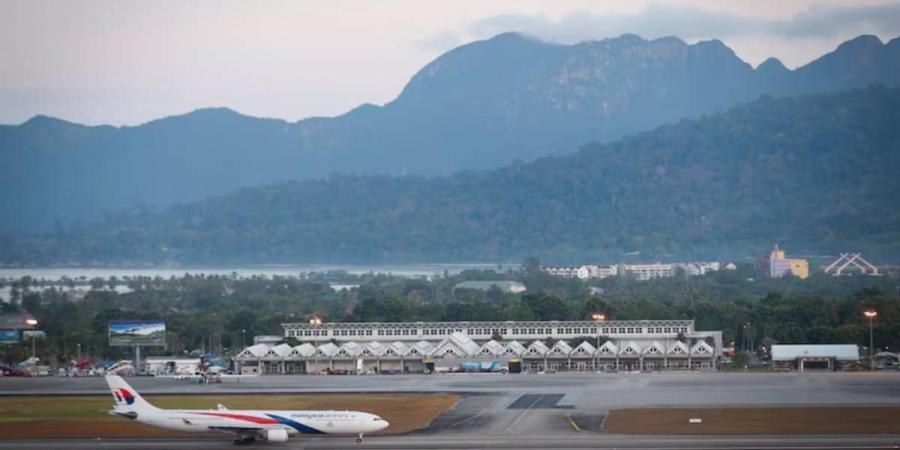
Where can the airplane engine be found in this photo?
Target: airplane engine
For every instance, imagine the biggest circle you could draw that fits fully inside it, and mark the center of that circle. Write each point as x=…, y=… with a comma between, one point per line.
x=277, y=435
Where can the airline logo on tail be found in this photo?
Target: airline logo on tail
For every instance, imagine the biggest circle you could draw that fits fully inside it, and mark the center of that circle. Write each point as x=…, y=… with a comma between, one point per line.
x=123, y=396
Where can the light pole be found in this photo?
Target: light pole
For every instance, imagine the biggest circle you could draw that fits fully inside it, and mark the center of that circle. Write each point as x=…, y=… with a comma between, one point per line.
x=747, y=334
x=871, y=314
x=315, y=320
x=744, y=337
x=598, y=317
x=32, y=322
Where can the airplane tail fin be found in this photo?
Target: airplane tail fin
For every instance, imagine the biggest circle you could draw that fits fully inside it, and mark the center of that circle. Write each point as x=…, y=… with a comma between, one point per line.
x=127, y=399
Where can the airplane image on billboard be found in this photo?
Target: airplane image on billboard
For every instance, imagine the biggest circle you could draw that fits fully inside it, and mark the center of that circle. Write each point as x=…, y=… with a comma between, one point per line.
x=10, y=336
x=137, y=333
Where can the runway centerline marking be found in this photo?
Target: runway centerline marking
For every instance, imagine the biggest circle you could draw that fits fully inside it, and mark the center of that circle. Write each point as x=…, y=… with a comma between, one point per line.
x=512, y=424
x=572, y=422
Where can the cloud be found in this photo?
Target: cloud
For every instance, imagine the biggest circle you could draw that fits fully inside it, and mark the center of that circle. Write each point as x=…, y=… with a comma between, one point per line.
x=653, y=21
x=658, y=20
x=835, y=21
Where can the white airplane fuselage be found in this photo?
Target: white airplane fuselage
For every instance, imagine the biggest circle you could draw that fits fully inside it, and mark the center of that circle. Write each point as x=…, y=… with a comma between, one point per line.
x=247, y=424
x=296, y=422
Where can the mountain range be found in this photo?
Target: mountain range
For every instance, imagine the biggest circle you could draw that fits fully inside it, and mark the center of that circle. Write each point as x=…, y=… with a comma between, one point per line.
x=815, y=173
x=480, y=106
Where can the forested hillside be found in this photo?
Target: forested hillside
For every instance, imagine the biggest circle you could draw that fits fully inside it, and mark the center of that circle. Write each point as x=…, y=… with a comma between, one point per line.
x=815, y=173
x=479, y=106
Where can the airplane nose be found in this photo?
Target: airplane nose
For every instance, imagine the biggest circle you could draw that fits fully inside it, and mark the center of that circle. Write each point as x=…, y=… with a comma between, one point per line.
x=384, y=424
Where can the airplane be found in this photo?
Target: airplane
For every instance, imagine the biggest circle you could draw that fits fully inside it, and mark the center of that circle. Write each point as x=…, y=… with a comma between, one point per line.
x=272, y=426
x=481, y=367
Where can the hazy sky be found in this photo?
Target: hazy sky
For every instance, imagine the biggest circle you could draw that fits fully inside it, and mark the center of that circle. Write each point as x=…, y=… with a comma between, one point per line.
x=127, y=62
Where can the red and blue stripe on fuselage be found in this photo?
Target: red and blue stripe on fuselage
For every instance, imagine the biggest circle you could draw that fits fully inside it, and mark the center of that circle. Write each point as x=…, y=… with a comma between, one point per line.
x=270, y=419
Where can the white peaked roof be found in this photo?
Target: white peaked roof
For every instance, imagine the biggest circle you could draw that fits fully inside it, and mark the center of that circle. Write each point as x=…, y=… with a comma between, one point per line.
x=394, y=350
x=452, y=348
x=537, y=348
x=424, y=346
x=421, y=348
x=607, y=349
x=303, y=350
x=348, y=350
x=654, y=349
x=678, y=348
x=491, y=348
x=514, y=348
x=279, y=351
x=584, y=349
x=254, y=351
x=701, y=348
x=464, y=342
x=327, y=350
x=459, y=345
x=373, y=348
x=631, y=348
x=447, y=349
x=560, y=348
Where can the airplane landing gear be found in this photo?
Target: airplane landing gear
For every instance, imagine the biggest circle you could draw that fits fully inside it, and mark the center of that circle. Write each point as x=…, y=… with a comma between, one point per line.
x=359, y=438
x=244, y=440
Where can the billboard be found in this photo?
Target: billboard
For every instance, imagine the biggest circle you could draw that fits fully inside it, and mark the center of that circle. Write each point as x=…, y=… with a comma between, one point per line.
x=10, y=336
x=144, y=332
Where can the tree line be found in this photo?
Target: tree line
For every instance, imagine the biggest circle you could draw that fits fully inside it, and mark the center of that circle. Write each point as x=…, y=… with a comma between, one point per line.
x=223, y=313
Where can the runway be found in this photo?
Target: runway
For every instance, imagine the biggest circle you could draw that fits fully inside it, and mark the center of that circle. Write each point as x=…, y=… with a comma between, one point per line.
x=524, y=411
x=580, y=390
x=487, y=441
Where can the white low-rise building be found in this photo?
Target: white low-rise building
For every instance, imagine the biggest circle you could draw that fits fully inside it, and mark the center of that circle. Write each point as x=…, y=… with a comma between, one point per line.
x=170, y=365
x=806, y=356
x=637, y=271
x=582, y=272
x=699, y=268
x=597, y=271
x=511, y=287
x=649, y=271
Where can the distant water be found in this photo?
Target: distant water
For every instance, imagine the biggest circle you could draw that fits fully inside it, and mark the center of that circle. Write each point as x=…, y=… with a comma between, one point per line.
x=75, y=273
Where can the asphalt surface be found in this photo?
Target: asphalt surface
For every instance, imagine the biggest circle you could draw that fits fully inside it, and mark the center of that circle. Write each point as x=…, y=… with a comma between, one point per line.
x=581, y=390
x=524, y=411
x=483, y=442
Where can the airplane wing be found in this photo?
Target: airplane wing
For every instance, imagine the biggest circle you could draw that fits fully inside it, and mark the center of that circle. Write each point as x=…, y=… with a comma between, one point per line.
x=237, y=430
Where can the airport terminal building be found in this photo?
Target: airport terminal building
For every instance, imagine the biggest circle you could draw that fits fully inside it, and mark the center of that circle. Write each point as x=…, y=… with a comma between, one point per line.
x=415, y=347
